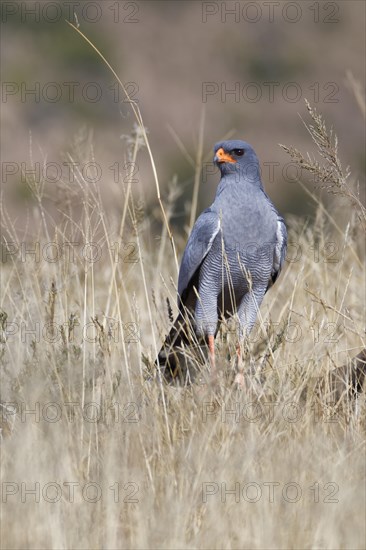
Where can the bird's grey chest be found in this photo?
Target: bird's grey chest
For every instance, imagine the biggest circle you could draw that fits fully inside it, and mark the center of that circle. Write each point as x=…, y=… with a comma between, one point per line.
x=248, y=221
x=245, y=243
x=245, y=217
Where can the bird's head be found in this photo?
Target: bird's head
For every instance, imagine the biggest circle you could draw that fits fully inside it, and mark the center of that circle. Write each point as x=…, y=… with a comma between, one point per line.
x=238, y=157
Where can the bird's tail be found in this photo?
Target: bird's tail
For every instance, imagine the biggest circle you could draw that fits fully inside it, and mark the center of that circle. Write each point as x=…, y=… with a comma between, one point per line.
x=174, y=359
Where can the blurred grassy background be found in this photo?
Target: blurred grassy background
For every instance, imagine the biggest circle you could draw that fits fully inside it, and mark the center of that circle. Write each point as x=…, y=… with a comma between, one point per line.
x=168, y=51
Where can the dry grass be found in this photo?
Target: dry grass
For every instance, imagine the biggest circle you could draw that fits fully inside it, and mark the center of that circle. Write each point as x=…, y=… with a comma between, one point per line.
x=73, y=336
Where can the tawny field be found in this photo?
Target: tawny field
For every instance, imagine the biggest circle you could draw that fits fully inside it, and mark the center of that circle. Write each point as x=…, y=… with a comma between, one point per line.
x=96, y=454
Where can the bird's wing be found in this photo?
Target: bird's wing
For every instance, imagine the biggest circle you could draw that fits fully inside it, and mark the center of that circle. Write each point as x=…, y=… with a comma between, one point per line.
x=280, y=248
x=199, y=243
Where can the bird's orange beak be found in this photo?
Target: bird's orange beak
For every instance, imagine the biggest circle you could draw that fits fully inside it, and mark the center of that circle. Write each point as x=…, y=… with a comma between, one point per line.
x=221, y=156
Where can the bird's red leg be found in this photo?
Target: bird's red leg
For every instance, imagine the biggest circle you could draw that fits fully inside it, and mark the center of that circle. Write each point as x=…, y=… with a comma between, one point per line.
x=211, y=380
x=211, y=347
x=238, y=350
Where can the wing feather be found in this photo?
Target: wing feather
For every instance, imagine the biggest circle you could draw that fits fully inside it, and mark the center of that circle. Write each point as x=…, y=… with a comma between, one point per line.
x=280, y=248
x=199, y=244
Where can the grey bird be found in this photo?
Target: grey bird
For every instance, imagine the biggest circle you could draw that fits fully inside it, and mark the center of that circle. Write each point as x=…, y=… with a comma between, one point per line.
x=234, y=254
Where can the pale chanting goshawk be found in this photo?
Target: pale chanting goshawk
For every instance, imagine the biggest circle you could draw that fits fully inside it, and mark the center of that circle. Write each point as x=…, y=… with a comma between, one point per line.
x=234, y=254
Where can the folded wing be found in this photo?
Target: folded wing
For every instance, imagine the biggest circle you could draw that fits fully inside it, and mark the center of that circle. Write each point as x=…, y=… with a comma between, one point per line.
x=199, y=244
x=279, y=251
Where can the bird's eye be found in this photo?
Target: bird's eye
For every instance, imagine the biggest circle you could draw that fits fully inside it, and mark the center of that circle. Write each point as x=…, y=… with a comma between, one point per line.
x=239, y=152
